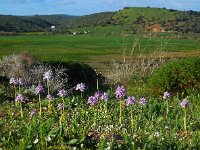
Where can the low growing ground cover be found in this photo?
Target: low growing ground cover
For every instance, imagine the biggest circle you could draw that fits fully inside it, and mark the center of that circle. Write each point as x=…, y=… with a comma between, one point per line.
x=110, y=119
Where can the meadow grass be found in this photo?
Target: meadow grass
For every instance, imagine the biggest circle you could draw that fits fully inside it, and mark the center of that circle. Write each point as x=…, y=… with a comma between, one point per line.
x=88, y=48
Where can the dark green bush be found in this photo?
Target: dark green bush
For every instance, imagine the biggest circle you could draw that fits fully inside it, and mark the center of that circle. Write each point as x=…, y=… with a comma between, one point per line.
x=177, y=76
x=80, y=72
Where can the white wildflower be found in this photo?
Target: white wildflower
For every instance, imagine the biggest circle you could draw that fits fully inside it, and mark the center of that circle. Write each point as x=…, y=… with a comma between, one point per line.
x=36, y=141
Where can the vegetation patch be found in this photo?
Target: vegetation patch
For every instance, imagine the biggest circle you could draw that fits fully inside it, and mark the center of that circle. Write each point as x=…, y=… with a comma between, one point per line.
x=113, y=119
x=178, y=76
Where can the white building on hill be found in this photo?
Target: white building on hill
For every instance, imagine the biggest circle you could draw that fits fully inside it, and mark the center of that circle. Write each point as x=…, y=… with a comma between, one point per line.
x=53, y=27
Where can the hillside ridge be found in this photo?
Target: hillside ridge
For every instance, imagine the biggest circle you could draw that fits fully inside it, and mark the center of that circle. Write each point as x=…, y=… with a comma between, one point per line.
x=130, y=18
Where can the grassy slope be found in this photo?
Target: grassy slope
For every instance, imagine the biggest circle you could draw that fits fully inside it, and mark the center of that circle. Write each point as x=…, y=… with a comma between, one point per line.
x=131, y=14
x=131, y=18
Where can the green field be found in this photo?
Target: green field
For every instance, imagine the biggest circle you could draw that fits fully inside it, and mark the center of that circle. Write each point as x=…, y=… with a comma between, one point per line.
x=90, y=48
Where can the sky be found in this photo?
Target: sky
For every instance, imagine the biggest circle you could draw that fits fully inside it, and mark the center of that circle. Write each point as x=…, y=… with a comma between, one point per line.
x=85, y=7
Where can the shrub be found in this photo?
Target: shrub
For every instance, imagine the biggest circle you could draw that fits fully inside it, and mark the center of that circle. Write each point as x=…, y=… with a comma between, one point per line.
x=127, y=70
x=64, y=73
x=25, y=67
x=80, y=72
x=177, y=76
x=34, y=75
x=15, y=65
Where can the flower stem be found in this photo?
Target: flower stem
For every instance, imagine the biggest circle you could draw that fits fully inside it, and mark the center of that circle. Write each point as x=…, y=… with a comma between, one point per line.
x=21, y=110
x=61, y=121
x=19, y=89
x=131, y=113
x=82, y=103
x=63, y=102
x=81, y=94
x=101, y=107
x=49, y=106
x=120, y=109
x=15, y=91
x=48, y=90
x=105, y=107
x=48, y=87
x=15, y=94
x=167, y=107
x=95, y=117
x=185, y=124
x=40, y=113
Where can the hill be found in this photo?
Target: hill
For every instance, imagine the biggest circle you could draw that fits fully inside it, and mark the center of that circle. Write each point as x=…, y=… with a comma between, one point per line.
x=16, y=24
x=97, y=19
x=148, y=19
x=9, y=23
x=126, y=20
x=167, y=19
x=53, y=19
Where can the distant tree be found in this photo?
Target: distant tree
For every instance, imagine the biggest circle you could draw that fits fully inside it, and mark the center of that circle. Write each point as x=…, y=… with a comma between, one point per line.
x=126, y=8
x=172, y=10
x=140, y=20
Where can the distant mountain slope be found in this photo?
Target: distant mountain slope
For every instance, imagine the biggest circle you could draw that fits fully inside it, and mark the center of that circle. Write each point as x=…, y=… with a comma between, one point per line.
x=101, y=19
x=131, y=15
x=130, y=18
x=168, y=19
x=10, y=23
x=53, y=19
x=149, y=19
x=17, y=24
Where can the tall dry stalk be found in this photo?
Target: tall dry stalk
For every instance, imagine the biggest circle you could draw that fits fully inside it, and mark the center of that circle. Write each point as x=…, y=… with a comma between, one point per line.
x=136, y=62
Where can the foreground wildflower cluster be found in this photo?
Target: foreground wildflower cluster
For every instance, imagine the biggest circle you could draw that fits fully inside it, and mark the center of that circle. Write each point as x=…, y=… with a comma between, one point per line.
x=103, y=120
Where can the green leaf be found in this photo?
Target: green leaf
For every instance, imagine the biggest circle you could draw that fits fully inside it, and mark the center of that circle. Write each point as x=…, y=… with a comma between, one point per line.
x=29, y=146
x=102, y=144
x=150, y=137
x=72, y=141
x=126, y=138
x=73, y=99
x=160, y=119
x=3, y=139
x=54, y=131
x=82, y=139
x=84, y=132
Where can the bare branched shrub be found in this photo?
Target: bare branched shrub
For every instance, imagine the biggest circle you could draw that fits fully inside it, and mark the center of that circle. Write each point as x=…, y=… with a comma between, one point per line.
x=136, y=63
x=60, y=79
x=23, y=66
x=35, y=75
x=12, y=66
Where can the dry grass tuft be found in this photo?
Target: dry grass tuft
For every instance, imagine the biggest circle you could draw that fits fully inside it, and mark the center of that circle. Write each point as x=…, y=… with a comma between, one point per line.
x=136, y=64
